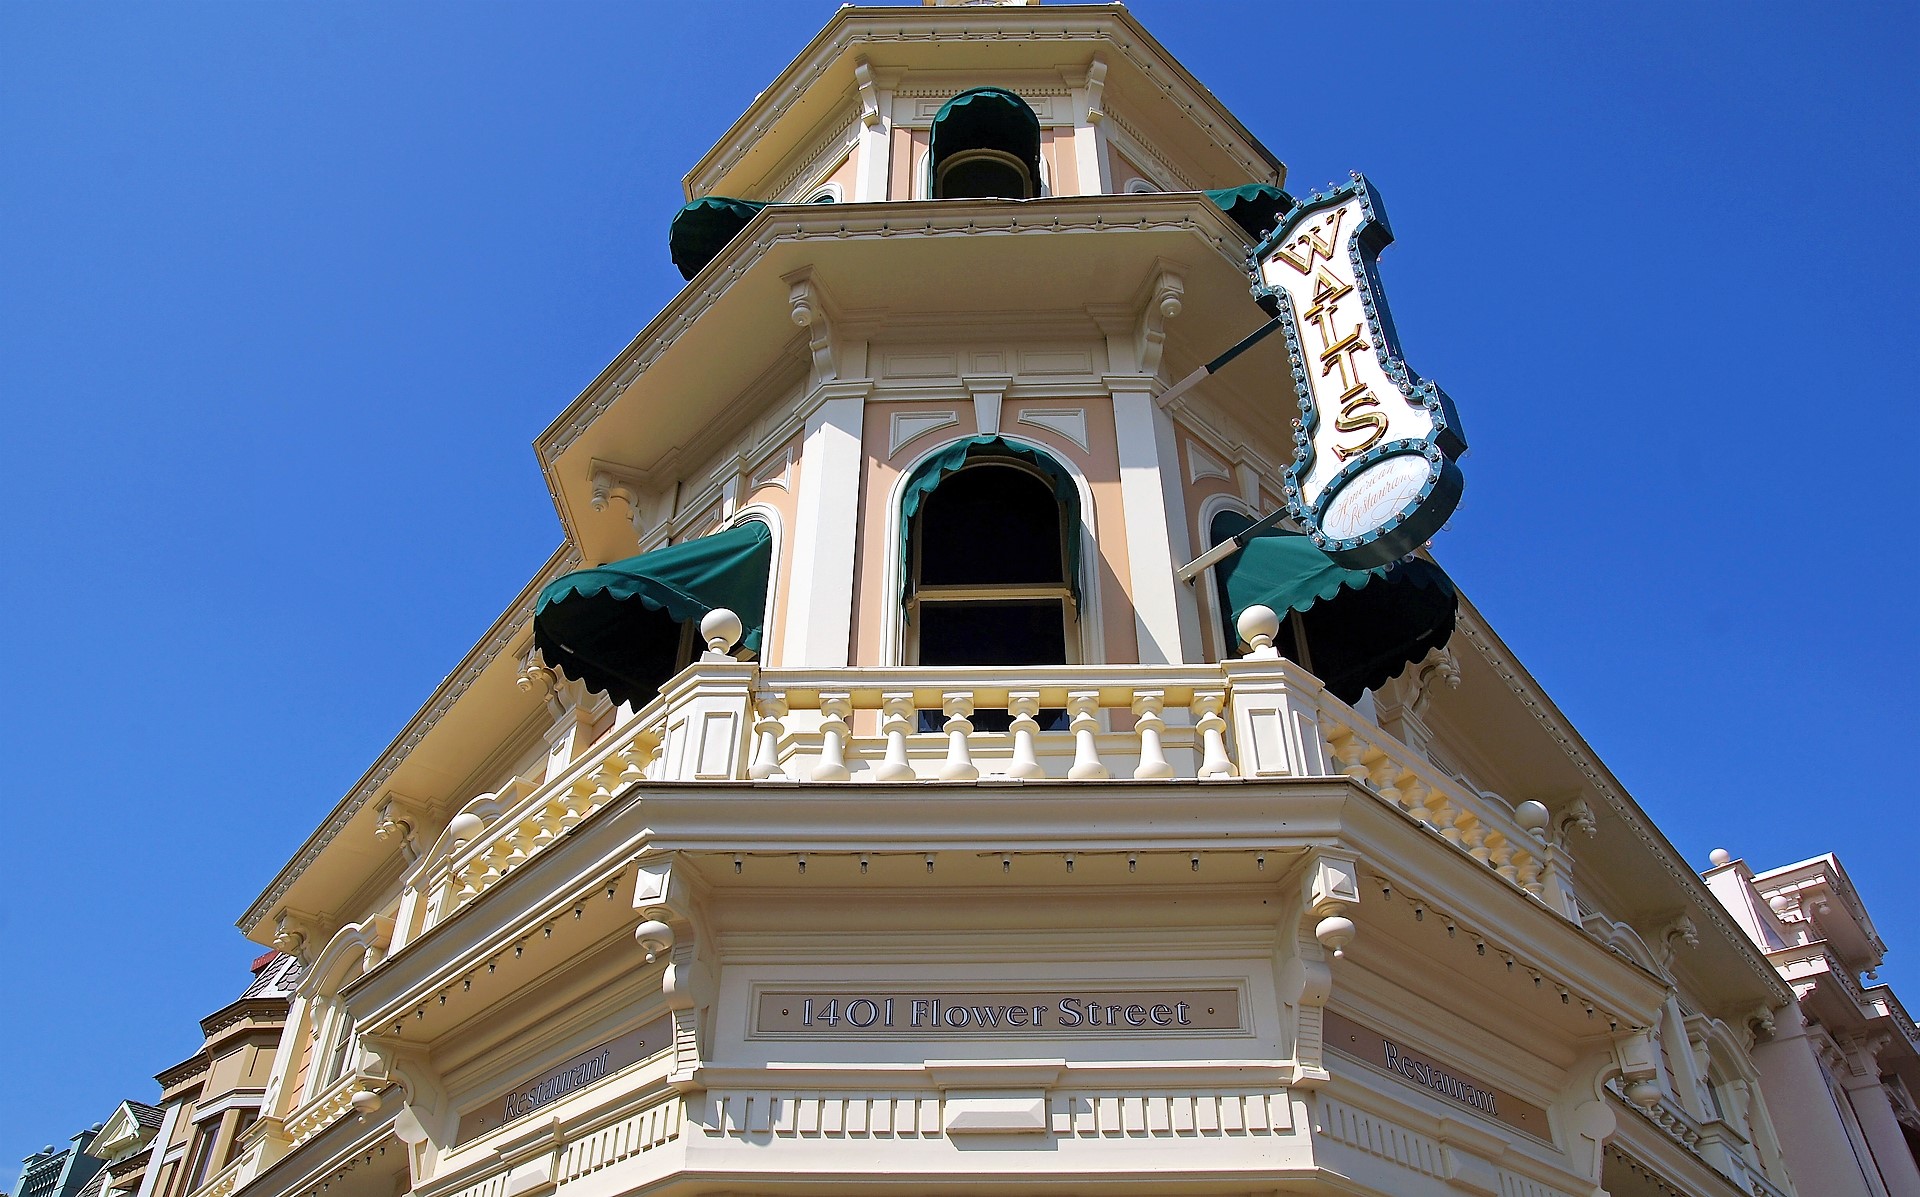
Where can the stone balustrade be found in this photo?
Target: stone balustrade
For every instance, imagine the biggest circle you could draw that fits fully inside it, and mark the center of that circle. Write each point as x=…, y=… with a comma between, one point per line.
x=1258, y=718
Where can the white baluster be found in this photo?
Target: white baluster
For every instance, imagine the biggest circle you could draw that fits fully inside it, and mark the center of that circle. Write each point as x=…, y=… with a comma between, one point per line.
x=1214, y=761
x=898, y=717
x=959, y=764
x=768, y=707
x=1083, y=707
x=1024, y=704
x=1147, y=705
x=833, y=744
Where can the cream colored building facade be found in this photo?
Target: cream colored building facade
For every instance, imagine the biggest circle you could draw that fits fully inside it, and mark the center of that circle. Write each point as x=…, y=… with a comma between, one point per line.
x=1841, y=1068
x=1146, y=909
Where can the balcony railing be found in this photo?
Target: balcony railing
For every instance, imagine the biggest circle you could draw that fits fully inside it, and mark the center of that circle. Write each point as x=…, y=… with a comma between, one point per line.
x=1254, y=719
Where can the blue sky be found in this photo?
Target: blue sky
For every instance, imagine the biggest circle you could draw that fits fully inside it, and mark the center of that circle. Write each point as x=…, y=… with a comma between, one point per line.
x=287, y=289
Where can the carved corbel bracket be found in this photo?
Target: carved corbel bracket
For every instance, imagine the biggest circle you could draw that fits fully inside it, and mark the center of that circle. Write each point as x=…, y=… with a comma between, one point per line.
x=300, y=934
x=869, y=92
x=1577, y=816
x=810, y=309
x=401, y=819
x=1329, y=887
x=1679, y=929
x=673, y=927
x=1759, y=1022
x=1439, y=669
x=634, y=487
x=1166, y=296
x=1096, y=89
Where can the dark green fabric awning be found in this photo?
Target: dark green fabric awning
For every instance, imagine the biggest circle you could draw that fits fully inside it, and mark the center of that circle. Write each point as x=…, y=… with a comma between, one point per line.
x=616, y=627
x=987, y=118
x=703, y=228
x=1255, y=207
x=929, y=474
x=1362, y=626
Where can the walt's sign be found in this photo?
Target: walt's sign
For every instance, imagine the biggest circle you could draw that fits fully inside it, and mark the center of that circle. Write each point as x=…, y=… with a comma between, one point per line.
x=1373, y=475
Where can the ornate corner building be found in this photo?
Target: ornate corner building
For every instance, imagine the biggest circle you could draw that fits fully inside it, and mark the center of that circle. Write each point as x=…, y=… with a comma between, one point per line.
x=862, y=799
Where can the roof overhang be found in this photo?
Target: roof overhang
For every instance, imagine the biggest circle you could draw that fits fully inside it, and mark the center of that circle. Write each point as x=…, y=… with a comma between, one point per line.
x=822, y=84
x=727, y=345
x=430, y=758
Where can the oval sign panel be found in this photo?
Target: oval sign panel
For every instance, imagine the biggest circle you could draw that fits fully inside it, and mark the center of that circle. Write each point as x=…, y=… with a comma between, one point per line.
x=1373, y=474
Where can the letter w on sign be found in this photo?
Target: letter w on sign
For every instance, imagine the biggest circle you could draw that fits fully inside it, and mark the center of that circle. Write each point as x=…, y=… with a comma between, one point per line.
x=1373, y=474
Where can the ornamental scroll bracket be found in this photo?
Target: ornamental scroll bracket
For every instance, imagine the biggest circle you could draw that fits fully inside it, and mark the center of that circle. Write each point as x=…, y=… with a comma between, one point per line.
x=400, y=821
x=673, y=929
x=1165, y=297
x=810, y=309
x=1329, y=888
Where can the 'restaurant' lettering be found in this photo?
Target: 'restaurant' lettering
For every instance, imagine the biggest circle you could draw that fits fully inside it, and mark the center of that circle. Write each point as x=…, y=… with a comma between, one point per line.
x=1446, y=1084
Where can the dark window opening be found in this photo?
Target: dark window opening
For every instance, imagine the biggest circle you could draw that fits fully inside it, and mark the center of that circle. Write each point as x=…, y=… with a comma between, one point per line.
x=983, y=174
x=985, y=144
x=990, y=582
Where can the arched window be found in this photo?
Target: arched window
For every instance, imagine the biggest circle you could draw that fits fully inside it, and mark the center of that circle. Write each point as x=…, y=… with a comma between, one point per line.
x=339, y=1046
x=986, y=144
x=990, y=568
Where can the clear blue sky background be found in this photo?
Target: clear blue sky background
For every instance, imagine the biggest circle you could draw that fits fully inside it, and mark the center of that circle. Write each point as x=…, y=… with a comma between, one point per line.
x=286, y=289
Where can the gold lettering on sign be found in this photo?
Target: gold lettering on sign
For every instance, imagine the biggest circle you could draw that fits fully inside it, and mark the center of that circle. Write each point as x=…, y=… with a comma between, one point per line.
x=1316, y=246
x=1337, y=349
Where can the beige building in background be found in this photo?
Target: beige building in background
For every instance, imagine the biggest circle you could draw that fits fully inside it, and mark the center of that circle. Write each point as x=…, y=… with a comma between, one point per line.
x=964, y=848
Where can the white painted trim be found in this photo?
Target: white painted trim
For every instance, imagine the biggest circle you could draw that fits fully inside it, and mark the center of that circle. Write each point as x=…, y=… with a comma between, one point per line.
x=1180, y=548
x=1070, y=422
x=873, y=151
x=769, y=516
x=819, y=625
x=1209, y=600
x=905, y=426
x=1150, y=532
x=169, y=1122
x=1093, y=641
x=831, y=190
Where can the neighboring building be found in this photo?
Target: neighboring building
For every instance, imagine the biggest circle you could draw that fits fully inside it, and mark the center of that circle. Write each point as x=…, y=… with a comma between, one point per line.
x=211, y=1100
x=896, y=820
x=1842, y=1069
x=63, y=1173
x=125, y=1142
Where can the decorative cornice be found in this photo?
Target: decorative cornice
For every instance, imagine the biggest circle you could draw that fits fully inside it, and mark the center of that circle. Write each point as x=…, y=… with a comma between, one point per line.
x=184, y=1071
x=799, y=223
x=504, y=629
x=1602, y=782
x=1066, y=25
x=845, y=136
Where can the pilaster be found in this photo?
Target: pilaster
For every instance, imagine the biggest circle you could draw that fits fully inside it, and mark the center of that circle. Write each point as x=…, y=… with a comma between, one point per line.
x=818, y=626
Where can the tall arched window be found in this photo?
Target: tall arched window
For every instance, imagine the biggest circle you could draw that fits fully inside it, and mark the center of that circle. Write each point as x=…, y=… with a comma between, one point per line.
x=990, y=569
x=986, y=144
x=339, y=1047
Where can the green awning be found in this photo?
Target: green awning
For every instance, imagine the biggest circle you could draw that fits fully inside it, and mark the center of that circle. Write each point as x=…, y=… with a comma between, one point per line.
x=702, y=229
x=616, y=627
x=929, y=474
x=991, y=118
x=1362, y=626
x=1255, y=207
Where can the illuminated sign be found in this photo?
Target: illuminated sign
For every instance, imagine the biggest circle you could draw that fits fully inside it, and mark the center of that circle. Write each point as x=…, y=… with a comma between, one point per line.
x=1373, y=475
x=1054, y=1012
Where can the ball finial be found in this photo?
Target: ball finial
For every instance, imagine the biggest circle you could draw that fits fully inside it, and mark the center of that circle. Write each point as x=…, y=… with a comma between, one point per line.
x=1258, y=626
x=721, y=629
x=1719, y=857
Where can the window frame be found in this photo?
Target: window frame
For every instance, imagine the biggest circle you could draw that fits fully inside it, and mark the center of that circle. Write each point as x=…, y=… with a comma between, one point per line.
x=1071, y=613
